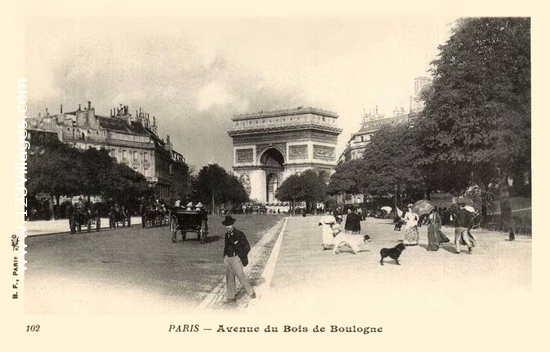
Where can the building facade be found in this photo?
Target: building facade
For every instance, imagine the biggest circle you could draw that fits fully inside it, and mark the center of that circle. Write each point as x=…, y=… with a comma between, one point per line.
x=131, y=140
x=270, y=146
x=372, y=122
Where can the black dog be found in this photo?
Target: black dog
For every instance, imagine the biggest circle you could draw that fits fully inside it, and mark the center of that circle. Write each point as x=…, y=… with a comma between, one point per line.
x=393, y=253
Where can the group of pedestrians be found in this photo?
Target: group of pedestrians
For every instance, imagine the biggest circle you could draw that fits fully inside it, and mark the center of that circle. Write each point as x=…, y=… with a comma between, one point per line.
x=237, y=247
x=462, y=222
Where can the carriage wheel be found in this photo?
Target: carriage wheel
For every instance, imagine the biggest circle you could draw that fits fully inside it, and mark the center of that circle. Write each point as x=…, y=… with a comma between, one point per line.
x=98, y=224
x=174, y=229
x=203, y=232
x=89, y=225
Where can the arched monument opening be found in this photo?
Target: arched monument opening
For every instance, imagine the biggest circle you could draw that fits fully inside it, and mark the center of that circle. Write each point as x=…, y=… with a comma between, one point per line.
x=273, y=162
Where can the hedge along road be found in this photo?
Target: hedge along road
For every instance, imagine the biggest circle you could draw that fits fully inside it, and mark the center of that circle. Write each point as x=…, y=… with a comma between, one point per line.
x=129, y=270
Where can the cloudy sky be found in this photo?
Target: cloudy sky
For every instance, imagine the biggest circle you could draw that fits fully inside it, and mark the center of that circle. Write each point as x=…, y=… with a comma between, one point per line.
x=195, y=74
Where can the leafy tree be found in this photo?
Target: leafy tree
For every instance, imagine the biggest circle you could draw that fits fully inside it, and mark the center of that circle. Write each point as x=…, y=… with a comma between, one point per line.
x=348, y=178
x=477, y=119
x=124, y=184
x=213, y=185
x=53, y=168
x=93, y=164
x=58, y=169
x=236, y=192
x=307, y=186
x=390, y=163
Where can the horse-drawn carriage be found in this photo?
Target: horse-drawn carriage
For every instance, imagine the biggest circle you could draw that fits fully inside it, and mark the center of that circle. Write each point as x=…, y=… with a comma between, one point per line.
x=84, y=217
x=119, y=216
x=188, y=221
x=154, y=214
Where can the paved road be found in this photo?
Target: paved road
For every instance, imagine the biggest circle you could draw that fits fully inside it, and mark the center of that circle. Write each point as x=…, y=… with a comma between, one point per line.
x=130, y=270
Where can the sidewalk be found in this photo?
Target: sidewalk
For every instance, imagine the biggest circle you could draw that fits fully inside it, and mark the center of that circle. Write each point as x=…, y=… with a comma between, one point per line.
x=51, y=227
x=307, y=280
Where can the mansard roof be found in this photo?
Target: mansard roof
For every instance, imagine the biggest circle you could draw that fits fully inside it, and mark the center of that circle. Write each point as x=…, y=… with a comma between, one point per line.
x=117, y=124
x=372, y=125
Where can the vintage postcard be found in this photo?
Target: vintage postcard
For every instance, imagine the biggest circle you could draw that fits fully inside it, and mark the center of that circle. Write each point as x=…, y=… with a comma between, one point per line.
x=202, y=175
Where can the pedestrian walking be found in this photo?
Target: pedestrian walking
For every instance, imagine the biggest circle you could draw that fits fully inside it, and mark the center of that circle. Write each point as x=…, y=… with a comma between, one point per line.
x=353, y=222
x=411, y=227
x=435, y=235
x=235, y=258
x=463, y=224
x=326, y=222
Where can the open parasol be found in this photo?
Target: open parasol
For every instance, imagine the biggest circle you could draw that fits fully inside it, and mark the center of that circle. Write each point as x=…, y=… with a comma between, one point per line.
x=422, y=207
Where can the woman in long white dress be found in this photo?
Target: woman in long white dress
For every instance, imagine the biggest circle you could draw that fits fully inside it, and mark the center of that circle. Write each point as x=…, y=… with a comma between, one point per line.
x=326, y=223
x=411, y=227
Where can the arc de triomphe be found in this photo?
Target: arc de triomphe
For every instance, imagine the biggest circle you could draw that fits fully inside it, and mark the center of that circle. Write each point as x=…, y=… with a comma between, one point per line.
x=269, y=146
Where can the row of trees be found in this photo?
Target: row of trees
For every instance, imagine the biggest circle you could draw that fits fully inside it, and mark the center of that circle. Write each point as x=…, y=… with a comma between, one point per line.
x=56, y=169
x=475, y=127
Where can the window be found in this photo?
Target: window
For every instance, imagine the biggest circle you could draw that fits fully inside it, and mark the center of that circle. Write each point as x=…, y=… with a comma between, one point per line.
x=124, y=155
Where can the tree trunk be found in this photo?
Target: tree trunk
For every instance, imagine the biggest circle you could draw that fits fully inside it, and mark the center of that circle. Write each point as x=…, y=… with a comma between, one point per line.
x=506, y=219
x=213, y=204
x=52, y=216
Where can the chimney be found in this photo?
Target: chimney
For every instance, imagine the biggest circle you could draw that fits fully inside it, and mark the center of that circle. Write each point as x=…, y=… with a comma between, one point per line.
x=168, y=145
x=79, y=107
x=89, y=105
x=61, y=109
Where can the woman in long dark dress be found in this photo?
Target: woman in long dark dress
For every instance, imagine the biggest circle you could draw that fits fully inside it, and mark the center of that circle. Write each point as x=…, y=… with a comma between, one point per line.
x=435, y=235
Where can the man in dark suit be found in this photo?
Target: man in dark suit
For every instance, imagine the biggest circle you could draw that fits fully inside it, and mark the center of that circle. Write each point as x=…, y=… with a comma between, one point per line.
x=235, y=257
x=463, y=224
